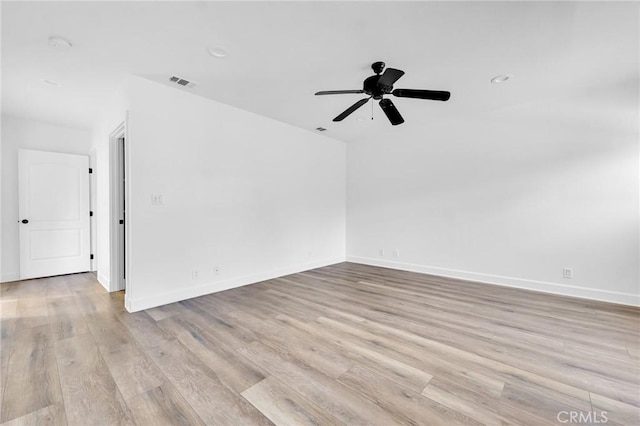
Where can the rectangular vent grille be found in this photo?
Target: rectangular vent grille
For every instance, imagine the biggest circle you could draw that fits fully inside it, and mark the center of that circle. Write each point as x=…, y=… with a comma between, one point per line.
x=182, y=82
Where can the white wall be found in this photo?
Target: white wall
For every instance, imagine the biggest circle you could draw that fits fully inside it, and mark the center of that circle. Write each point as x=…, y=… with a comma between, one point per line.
x=509, y=197
x=255, y=197
x=18, y=134
x=114, y=115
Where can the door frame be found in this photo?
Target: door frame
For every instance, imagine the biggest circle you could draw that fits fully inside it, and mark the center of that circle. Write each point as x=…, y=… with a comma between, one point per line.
x=117, y=192
x=93, y=204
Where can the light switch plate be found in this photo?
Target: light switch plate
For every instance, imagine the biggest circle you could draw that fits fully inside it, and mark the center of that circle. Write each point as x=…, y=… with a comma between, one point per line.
x=156, y=199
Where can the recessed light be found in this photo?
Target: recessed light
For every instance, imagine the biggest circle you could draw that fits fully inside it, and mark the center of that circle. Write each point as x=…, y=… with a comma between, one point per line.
x=217, y=52
x=501, y=78
x=59, y=43
x=51, y=83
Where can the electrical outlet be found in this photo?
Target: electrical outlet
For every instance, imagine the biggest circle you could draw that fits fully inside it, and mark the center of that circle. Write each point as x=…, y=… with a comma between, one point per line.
x=380, y=252
x=567, y=273
x=195, y=275
x=396, y=253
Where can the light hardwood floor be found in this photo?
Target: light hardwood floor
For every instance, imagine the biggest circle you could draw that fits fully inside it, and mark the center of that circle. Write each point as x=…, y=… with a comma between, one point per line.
x=345, y=344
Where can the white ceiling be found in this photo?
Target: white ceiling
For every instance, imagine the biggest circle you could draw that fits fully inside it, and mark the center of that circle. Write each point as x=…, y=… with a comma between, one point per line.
x=281, y=53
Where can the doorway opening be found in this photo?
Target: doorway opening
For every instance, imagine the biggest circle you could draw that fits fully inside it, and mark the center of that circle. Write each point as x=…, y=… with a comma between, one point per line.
x=118, y=219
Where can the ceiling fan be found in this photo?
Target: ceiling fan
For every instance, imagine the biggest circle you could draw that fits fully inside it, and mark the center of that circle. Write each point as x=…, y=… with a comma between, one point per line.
x=381, y=84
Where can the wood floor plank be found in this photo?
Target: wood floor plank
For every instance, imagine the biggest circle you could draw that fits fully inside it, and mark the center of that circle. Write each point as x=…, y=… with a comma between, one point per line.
x=202, y=388
x=544, y=407
x=94, y=307
x=509, y=366
x=284, y=406
x=166, y=311
x=478, y=373
x=617, y=411
x=8, y=322
x=146, y=331
x=162, y=405
x=131, y=368
x=90, y=393
x=481, y=407
x=336, y=399
x=20, y=290
x=229, y=368
x=65, y=318
x=32, y=380
x=7, y=341
x=407, y=406
x=232, y=334
x=394, y=369
x=291, y=343
x=8, y=308
x=51, y=415
x=324, y=305
x=32, y=312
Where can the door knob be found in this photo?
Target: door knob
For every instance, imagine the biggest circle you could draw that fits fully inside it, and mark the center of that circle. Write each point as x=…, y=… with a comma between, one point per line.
x=25, y=221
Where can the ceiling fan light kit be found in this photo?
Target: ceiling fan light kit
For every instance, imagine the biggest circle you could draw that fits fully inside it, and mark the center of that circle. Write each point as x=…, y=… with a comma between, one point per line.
x=381, y=84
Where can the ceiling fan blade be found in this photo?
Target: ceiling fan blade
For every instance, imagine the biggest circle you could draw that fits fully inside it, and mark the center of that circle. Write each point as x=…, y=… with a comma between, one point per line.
x=338, y=92
x=352, y=108
x=389, y=76
x=434, y=95
x=391, y=112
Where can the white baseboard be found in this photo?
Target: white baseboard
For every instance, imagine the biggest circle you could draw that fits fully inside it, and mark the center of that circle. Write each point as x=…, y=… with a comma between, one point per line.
x=12, y=276
x=135, y=305
x=104, y=281
x=541, y=286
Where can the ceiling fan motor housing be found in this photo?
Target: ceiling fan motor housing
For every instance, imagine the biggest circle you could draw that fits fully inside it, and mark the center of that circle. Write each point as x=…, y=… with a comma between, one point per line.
x=372, y=88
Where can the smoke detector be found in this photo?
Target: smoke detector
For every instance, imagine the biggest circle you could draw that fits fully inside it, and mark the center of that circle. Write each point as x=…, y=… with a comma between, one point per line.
x=182, y=82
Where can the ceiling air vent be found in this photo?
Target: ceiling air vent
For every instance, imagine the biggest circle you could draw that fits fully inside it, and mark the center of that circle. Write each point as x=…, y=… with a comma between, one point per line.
x=182, y=82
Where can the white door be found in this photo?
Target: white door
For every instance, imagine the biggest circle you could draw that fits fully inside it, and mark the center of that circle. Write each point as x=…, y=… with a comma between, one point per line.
x=54, y=213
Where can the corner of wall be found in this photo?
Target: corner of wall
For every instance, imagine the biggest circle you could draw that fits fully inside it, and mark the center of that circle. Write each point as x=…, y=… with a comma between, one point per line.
x=104, y=281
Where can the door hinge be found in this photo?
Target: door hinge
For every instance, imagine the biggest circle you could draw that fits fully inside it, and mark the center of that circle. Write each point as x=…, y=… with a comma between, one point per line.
x=91, y=257
x=90, y=213
x=90, y=170
x=121, y=221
